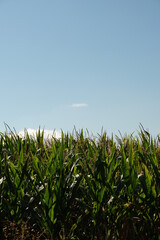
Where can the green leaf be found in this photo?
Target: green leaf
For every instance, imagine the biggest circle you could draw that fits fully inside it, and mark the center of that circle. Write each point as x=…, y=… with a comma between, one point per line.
x=46, y=196
x=20, y=160
x=131, y=154
x=154, y=191
x=12, y=212
x=148, y=179
x=125, y=171
x=101, y=194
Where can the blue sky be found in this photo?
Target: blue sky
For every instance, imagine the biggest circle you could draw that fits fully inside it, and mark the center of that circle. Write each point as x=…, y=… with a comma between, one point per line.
x=83, y=63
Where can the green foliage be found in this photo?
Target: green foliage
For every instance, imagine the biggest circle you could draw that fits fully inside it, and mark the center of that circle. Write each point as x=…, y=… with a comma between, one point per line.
x=79, y=187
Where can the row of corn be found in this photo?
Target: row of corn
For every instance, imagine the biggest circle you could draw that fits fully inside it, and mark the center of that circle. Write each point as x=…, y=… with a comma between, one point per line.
x=79, y=187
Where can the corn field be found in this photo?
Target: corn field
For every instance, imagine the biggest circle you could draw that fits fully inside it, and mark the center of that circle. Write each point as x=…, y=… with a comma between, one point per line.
x=80, y=187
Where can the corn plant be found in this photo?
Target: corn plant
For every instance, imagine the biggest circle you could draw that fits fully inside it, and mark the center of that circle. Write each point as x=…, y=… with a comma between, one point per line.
x=79, y=187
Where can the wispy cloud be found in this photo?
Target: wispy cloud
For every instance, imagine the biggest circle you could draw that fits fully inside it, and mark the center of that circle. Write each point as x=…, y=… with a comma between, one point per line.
x=79, y=105
x=48, y=134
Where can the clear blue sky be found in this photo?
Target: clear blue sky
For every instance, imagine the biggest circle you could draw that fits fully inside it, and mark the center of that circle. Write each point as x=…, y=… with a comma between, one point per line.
x=86, y=63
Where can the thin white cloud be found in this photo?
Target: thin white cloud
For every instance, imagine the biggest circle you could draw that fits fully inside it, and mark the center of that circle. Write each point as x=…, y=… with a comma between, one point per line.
x=48, y=134
x=79, y=105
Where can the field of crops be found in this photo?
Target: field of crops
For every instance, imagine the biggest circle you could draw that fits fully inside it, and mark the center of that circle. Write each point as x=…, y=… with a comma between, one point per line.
x=80, y=187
